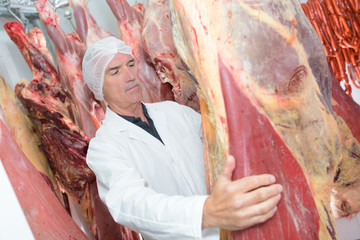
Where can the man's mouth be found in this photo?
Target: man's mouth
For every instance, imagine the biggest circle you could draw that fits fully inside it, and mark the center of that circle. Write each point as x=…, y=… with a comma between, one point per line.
x=132, y=87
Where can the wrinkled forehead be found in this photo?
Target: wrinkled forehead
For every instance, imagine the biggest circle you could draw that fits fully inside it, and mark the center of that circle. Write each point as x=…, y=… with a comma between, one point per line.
x=119, y=59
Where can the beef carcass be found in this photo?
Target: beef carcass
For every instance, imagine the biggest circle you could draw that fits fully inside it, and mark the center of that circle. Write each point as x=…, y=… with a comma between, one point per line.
x=346, y=191
x=26, y=135
x=340, y=45
x=44, y=75
x=130, y=27
x=159, y=47
x=51, y=107
x=69, y=54
x=46, y=216
x=86, y=26
x=266, y=83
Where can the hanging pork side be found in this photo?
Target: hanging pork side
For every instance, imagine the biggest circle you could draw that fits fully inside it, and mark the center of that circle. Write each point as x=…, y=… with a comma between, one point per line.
x=130, y=28
x=266, y=87
x=47, y=218
x=160, y=49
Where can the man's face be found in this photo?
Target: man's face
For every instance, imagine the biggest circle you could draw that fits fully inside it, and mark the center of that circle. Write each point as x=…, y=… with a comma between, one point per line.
x=121, y=82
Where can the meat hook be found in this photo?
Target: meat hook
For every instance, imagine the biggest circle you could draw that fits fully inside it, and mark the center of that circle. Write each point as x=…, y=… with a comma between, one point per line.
x=22, y=19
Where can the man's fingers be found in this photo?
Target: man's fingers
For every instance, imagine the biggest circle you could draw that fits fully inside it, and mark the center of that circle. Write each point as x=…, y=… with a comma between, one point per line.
x=261, y=218
x=228, y=169
x=264, y=207
x=257, y=196
x=261, y=211
x=253, y=182
x=254, y=214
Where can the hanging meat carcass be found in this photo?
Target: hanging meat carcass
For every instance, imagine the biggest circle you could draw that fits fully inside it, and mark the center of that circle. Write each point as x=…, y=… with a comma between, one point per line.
x=52, y=108
x=46, y=216
x=337, y=25
x=86, y=26
x=24, y=133
x=346, y=191
x=160, y=49
x=69, y=53
x=130, y=27
x=266, y=88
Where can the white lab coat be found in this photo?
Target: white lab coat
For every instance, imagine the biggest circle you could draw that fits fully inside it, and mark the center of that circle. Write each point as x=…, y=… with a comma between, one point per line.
x=155, y=189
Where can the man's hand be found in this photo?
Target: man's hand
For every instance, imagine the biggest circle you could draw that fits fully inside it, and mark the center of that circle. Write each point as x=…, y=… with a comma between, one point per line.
x=236, y=205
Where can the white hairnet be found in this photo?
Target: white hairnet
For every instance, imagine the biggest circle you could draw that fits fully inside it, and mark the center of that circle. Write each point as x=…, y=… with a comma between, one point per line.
x=96, y=59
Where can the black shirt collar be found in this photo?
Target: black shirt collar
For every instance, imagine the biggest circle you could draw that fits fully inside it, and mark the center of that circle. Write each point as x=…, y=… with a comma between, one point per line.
x=147, y=126
x=134, y=119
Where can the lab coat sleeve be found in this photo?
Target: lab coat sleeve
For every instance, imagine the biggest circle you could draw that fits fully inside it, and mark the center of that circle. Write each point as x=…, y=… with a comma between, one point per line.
x=133, y=204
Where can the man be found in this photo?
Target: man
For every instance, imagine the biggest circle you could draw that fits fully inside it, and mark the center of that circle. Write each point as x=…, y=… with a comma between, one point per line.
x=149, y=164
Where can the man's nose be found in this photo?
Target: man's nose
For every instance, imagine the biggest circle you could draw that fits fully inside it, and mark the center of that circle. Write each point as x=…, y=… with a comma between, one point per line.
x=130, y=74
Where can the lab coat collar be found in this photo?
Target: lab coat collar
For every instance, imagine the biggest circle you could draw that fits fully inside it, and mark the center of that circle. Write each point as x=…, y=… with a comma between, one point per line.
x=119, y=124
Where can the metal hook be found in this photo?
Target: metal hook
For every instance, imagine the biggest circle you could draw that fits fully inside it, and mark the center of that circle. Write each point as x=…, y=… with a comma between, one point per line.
x=14, y=15
x=22, y=19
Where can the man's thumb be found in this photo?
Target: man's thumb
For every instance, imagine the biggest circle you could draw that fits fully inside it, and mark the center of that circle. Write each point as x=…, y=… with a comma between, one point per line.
x=228, y=169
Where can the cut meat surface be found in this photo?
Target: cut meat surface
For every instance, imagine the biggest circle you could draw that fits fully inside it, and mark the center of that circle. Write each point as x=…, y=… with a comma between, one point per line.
x=160, y=49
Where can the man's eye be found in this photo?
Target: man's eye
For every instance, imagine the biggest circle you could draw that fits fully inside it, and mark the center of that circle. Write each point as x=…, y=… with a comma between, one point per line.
x=132, y=65
x=114, y=72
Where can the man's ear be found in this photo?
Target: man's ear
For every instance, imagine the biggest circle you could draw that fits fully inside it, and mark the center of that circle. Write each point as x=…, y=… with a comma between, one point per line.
x=103, y=104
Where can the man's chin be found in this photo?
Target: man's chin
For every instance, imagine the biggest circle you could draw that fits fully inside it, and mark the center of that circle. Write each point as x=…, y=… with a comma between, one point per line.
x=135, y=96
